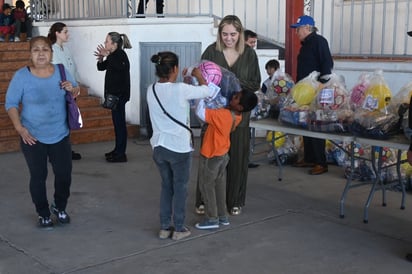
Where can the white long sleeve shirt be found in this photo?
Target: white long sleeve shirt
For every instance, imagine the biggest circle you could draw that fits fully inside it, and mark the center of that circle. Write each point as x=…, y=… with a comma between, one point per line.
x=175, y=99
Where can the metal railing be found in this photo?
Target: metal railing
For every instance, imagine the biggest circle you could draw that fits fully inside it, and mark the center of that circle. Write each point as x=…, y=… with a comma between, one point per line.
x=366, y=28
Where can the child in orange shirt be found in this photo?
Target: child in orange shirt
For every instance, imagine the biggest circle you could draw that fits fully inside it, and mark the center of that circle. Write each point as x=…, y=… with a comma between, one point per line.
x=214, y=155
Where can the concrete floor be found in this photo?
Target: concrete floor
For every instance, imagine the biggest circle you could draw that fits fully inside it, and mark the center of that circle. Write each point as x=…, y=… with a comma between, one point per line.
x=288, y=226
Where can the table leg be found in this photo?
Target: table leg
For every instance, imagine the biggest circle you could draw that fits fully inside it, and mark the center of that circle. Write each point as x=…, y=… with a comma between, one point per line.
x=348, y=181
x=398, y=171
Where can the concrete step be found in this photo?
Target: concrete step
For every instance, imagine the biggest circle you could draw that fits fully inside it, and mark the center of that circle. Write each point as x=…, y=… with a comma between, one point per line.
x=84, y=135
x=14, y=46
x=14, y=56
x=13, y=65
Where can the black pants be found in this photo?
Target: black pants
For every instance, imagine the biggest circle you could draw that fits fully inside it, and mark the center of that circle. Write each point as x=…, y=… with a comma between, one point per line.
x=120, y=129
x=159, y=7
x=60, y=157
x=314, y=151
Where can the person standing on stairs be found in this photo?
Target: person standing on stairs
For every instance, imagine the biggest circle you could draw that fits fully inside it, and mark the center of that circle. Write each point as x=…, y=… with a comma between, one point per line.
x=113, y=59
x=58, y=35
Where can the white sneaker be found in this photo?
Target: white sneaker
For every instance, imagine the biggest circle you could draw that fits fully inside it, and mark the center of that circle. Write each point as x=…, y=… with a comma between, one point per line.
x=16, y=39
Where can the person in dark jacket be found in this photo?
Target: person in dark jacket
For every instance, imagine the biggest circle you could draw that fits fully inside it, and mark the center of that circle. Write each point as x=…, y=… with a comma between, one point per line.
x=113, y=59
x=409, y=152
x=314, y=55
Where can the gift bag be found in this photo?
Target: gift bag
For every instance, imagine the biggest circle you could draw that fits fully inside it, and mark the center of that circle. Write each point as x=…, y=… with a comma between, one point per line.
x=374, y=118
x=295, y=108
x=330, y=110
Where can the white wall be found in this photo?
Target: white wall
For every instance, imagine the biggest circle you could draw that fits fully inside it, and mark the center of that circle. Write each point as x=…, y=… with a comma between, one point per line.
x=86, y=35
x=396, y=73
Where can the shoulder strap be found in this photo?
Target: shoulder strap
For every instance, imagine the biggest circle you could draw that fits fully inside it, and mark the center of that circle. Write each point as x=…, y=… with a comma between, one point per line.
x=62, y=72
x=171, y=117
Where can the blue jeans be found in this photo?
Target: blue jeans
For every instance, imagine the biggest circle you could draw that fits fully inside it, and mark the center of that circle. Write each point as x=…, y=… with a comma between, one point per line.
x=174, y=169
x=120, y=128
x=60, y=157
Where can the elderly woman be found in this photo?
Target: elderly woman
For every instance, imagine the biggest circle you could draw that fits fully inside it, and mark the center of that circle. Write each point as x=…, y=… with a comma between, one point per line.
x=42, y=125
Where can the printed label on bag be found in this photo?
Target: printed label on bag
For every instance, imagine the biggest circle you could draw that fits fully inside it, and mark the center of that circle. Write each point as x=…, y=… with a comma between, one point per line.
x=327, y=96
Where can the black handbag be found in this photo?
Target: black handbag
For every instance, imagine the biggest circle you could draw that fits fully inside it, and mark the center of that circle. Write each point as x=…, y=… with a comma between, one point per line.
x=111, y=101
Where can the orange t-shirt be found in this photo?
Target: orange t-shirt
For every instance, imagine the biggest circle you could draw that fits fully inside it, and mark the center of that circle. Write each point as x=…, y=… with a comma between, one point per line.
x=216, y=141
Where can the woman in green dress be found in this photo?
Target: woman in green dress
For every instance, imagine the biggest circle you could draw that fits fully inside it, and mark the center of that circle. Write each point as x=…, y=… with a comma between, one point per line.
x=230, y=52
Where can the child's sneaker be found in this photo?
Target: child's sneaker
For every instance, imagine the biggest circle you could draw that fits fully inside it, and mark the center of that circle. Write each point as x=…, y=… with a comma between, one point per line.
x=224, y=220
x=61, y=215
x=207, y=224
x=178, y=235
x=45, y=222
x=1, y=39
x=16, y=39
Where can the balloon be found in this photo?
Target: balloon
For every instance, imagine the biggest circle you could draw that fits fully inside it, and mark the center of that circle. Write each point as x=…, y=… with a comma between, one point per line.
x=303, y=93
x=211, y=72
x=279, y=140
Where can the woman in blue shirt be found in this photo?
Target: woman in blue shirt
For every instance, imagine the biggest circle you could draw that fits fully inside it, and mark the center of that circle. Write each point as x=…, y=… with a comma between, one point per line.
x=42, y=125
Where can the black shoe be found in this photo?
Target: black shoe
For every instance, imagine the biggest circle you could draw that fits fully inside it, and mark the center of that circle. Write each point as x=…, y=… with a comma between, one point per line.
x=409, y=257
x=252, y=165
x=117, y=159
x=109, y=154
x=76, y=156
x=61, y=215
x=45, y=222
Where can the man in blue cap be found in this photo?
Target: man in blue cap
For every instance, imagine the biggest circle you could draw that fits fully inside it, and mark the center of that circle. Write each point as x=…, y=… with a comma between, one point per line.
x=314, y=55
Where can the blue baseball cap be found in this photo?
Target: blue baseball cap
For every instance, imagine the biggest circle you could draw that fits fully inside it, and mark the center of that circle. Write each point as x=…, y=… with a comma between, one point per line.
x=303, y=21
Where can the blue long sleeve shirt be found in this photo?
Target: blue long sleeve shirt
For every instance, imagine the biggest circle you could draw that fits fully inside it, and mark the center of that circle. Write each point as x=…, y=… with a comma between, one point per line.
x=6, y=20
x=43, y=112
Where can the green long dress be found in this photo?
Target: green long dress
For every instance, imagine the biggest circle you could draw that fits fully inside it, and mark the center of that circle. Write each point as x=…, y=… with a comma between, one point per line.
x=246, y=68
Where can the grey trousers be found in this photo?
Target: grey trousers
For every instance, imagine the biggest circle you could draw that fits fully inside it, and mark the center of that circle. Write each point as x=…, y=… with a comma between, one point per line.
x=212, y=185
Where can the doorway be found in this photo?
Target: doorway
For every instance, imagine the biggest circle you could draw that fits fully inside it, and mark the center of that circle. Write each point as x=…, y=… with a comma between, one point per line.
x=188, y=53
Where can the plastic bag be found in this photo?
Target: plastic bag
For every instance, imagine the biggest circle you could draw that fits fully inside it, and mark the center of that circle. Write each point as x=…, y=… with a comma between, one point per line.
x=374, y=118
x=377, y=95
x=222, y=81
x=375, y=124
x=357, y=95
x=330, y=110
x=278, y=87
x=262, y=109
x=295, y=108
x=400, y=104
x=306, y=89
